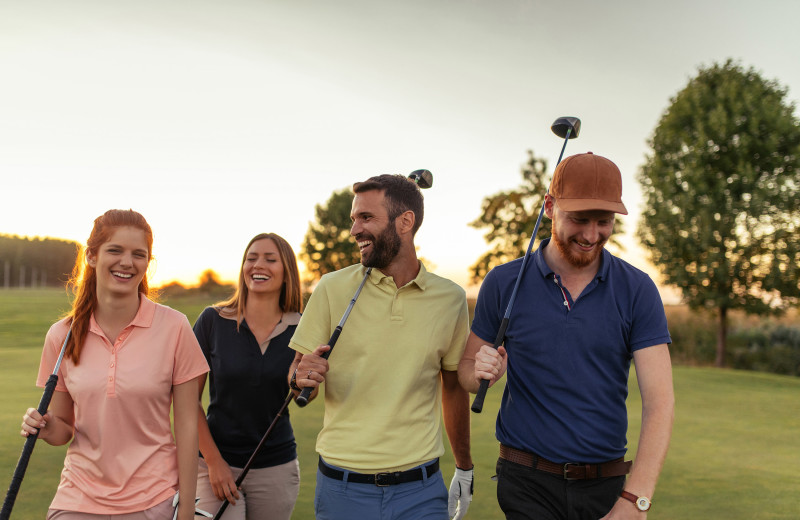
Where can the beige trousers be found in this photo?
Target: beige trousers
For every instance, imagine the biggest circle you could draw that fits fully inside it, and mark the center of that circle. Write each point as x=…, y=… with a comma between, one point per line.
x=162, y=511
x=266, y=493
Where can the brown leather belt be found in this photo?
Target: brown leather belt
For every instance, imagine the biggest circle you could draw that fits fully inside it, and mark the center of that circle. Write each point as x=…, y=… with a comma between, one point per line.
x=569, y=471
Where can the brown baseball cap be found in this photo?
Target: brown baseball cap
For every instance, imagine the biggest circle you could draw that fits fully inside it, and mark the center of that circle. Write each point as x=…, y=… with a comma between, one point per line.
x=587, y=181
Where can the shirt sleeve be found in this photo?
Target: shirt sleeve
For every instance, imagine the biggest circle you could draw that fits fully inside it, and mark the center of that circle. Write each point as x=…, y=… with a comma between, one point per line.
x=52, y=348
x=189, y=359
x=314, y=328
x=459, y=341
x=202, y=330
x=488, y=315
x=649, y=326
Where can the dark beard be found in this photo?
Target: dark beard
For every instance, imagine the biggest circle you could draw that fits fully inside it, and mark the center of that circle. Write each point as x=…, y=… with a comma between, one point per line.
x=574, y=260
x=384, y=248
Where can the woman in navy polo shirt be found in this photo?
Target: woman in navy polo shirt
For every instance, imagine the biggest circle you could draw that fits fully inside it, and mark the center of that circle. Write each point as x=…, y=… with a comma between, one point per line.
x=245, y=340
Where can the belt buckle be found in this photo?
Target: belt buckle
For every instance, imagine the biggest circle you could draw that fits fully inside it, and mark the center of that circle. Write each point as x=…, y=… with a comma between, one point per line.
x=379, y=482
x=567, y=468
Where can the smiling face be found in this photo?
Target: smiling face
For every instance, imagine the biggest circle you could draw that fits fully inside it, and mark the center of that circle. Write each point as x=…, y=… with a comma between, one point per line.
x=262, y=268
x=581, y=235
x=376, y=235
x=121, y=262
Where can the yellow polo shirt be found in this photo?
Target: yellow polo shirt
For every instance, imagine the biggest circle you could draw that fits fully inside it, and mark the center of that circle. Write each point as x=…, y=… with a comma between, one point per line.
x=383, y=408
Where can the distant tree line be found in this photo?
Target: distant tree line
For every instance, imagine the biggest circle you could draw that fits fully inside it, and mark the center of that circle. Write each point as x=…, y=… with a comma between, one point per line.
x=35, y=262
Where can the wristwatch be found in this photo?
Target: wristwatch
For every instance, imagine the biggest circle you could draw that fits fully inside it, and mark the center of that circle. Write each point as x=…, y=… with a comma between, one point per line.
x=293, y=382
x=642, y=503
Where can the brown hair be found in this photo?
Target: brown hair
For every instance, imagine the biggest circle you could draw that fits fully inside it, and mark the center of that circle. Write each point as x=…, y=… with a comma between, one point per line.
x=291, y=298
x=83, y=280
x=401, y=194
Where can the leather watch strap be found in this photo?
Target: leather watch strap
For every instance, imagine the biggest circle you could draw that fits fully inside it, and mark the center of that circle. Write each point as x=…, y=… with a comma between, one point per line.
x=642, y=503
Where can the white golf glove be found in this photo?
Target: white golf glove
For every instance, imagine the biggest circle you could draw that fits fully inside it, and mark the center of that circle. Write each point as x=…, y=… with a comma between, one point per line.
x=460, y=493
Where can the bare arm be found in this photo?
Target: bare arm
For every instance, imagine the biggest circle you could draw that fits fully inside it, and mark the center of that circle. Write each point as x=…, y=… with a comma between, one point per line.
x=57, y=426
x=219, y=472
x=654, y=372
x=184, y=403
x=455, y=408
x=480, y=361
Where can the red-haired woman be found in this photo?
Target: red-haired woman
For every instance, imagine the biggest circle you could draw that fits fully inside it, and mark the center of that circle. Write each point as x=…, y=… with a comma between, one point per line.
x=246, y=343
x=127, y=360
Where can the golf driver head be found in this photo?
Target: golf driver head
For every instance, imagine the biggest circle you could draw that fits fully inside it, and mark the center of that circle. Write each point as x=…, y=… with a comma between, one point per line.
x=564, y=124
x=423, y=178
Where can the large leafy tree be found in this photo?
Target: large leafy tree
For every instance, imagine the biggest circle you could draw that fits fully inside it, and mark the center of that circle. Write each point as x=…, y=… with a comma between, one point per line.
x=327, y=245
x=720, y=184
x=510, y=217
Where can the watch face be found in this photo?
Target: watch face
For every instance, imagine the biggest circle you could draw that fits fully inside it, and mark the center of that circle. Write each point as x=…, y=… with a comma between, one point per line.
x=643, y=503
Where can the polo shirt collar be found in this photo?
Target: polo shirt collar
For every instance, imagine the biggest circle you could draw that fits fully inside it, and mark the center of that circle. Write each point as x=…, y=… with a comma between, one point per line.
x=143, y=318
x=546, y=272
x=421, y=280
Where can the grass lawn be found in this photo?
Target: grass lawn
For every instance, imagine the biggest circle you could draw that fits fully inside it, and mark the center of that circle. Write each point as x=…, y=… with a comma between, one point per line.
x=735, y=449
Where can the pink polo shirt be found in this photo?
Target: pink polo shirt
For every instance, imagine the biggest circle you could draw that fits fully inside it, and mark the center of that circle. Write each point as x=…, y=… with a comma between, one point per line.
x=123, y=458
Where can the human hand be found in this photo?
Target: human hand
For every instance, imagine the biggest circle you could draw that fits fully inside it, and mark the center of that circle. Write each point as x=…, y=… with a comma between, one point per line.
x=33, y=422
x=460, y=493
x=624, y=509
x=490, y=364
x=312, y=368
x=222, y=482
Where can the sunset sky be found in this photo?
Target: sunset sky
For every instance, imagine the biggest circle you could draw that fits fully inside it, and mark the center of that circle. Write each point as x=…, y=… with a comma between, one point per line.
x=221, y=120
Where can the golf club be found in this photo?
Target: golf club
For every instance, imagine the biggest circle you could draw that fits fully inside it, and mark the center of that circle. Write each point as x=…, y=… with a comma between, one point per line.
x=567, y=128
x=30, y=442
x=304, y=396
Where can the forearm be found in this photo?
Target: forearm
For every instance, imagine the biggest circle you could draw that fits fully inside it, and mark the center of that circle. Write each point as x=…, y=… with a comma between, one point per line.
x=652, y=450
x=466, y=375
x=654, y=373
x=208, y=447
x=187, y=443
x=57, y=432
x=455, y=408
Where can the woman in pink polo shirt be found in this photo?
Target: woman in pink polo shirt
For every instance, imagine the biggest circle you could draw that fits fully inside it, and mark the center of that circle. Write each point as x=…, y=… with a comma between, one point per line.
x=127, y=361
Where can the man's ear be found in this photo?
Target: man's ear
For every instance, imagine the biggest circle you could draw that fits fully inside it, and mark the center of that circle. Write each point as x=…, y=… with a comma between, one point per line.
x=405, y=222
x=549, y=206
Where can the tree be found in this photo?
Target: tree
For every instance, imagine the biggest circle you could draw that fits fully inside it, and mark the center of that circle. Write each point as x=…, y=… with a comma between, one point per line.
x=720, y=184
x=511, y=216
x=327, y=245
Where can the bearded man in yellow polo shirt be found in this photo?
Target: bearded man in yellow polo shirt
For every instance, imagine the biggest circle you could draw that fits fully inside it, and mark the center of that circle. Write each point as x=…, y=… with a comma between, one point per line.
x=393, y=372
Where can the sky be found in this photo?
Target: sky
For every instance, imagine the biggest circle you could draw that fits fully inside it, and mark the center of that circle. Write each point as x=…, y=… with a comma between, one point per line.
x=221, y=120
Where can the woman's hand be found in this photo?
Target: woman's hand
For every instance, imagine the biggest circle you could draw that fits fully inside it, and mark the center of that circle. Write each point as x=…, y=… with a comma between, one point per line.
x=222, y=481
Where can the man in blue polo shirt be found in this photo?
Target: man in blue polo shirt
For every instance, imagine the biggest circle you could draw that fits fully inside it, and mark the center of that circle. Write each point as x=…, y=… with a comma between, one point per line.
x=580, y=317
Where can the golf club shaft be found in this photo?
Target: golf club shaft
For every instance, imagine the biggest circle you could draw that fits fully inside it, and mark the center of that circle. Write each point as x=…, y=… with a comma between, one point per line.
x=477, y=404
x=305, y=395
x=246, y=468
x=30, y=442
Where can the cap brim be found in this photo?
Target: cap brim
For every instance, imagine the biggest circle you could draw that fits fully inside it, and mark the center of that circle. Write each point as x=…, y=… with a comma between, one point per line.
x=592, y=204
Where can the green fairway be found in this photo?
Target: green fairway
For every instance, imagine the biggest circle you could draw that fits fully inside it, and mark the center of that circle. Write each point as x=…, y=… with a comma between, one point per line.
x=734, y=454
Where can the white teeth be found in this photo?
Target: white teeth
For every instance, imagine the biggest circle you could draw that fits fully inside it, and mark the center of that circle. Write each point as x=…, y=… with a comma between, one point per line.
x=260, y=277
x=122, y=275
x=364, y=243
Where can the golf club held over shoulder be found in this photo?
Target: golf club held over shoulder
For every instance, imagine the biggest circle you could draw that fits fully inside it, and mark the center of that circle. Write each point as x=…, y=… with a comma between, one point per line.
x=566, y=128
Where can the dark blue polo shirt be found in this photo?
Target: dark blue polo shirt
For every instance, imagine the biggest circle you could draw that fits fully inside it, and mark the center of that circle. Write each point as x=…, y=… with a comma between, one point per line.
x=567, y=377
x=246, y=390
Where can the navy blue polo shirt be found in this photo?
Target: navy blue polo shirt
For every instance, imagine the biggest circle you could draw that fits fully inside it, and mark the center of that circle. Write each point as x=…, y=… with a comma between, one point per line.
x=567, y=376
x=246, y=390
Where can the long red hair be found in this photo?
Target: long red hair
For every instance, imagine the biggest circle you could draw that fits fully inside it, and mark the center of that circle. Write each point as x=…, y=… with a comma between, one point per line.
x=83, y=280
